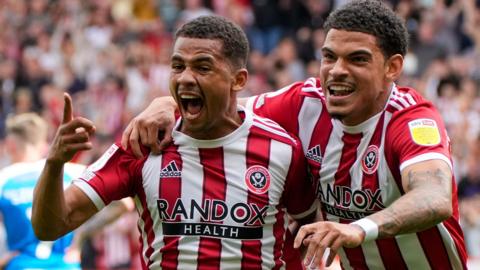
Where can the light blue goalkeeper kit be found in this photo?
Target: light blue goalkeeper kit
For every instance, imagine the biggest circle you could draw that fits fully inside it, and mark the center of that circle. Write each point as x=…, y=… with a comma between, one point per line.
x=17, y=183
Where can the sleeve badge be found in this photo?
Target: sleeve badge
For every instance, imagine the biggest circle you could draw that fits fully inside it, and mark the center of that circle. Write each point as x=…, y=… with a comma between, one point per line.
x=424, y=132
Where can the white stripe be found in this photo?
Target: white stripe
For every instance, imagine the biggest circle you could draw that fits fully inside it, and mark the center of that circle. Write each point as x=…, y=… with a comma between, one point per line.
x=192, y=189
x=343, y=258
x=402, y=101
x=331, y=158
x=311, y=109
x=90, y=192
x=395, y=105
x=270, y=123
x=372, y=255
x=279, y=91
x=151, y=175
x=279, y=165
x=235, y=165
x=412, y=251
x=141, y=225
x=449, y=243
x=249, y=103
x=424, y=157
x=271, y=130
x=311, y=89
x=410, y=98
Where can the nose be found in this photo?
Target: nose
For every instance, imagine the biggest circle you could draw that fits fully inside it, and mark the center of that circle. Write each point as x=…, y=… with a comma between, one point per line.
x=186, y=77
x=339, y=68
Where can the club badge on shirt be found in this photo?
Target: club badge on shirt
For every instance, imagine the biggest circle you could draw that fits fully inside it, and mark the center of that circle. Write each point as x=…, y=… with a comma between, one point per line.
x=370, y=159
x=257, y=179
x=424, y=132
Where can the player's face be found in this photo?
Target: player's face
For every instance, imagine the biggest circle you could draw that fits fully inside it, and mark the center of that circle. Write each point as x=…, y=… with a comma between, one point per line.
x=203, y=82
x=354, y=76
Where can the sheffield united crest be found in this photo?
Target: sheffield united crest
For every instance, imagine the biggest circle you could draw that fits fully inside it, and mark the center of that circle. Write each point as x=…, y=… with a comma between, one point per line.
x=257, y=179
x=370, y=160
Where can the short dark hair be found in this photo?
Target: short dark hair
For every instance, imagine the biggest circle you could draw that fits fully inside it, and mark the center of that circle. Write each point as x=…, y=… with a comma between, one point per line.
x=375, y=18
x=235, y=42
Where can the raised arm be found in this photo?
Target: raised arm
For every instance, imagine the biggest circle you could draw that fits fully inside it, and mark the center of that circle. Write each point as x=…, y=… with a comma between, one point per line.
x=153, y=127
x=56, y=212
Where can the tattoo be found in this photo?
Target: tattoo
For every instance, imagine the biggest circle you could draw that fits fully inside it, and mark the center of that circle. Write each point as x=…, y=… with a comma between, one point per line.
x=418, y=178
x=426, y=203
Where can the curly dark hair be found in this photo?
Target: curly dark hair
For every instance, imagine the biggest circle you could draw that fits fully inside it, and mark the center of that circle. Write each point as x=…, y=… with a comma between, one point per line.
x=375, y=18
x=235, y=42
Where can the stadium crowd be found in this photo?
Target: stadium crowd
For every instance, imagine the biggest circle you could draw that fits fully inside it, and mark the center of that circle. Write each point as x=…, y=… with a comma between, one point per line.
x=112, y=56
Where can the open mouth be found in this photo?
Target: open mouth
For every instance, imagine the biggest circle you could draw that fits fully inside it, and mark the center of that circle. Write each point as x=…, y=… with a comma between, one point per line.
x=191, y=104
x=339, y=91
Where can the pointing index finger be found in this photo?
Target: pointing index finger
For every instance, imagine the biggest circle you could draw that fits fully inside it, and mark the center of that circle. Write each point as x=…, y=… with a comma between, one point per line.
x=67, y=109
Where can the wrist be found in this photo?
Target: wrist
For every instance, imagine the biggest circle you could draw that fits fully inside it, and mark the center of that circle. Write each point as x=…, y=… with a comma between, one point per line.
x=369, y=227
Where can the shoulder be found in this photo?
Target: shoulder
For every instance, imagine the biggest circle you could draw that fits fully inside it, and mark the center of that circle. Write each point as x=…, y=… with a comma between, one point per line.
x=273, y=130
x=406, y=103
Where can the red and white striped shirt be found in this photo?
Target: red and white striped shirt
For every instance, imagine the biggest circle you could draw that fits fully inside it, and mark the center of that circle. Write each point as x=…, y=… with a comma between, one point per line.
x=210, y=204
x=358, y=169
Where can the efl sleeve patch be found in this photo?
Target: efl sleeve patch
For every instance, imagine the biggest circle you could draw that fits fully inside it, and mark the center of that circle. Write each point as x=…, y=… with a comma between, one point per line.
x=424, y=132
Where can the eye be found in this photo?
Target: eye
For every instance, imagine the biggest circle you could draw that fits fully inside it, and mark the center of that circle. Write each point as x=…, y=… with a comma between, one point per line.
x=328, y=56
x=177, y=67
x=360, y=59
x=204, y=68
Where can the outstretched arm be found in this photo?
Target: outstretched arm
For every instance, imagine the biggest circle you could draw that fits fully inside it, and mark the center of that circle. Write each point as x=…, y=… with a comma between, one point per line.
x=55, y=211
x=427, y=201
x=153, y=127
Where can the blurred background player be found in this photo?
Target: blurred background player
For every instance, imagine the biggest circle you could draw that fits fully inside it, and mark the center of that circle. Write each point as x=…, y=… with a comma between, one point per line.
x=26, y=145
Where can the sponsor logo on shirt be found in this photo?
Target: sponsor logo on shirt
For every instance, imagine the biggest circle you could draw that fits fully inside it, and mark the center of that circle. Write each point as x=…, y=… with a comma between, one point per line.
x=171, y=170
x=424, y=132
x=314, y=154
x=257, y=179
x=182, y=218
x=346, y=203
x=370, y=159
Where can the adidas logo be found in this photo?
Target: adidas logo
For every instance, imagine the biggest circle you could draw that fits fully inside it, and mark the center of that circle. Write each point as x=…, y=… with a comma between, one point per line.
x=171, y=170
x=314, y=154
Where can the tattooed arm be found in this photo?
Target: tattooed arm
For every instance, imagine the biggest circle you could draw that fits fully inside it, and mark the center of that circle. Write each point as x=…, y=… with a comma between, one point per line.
x=427, y=200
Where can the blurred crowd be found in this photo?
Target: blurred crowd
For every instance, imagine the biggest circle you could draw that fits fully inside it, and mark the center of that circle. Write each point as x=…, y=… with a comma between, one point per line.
x=112, y=56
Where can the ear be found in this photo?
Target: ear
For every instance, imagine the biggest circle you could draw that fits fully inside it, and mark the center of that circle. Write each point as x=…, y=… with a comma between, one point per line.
x=393, y=67
x=240, y=79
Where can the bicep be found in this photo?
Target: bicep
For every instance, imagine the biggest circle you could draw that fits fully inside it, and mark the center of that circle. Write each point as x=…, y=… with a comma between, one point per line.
x=435, y=175
x=80, y=206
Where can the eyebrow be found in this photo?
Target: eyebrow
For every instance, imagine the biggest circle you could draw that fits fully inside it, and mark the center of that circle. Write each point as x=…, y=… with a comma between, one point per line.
x=354, y=53
x=201, y=58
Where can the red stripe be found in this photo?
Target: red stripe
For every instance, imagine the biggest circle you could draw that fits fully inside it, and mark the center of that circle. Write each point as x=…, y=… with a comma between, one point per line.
x=214, y=187
x=434, y=249
x=355, y=256
x=278, y=233
x=342, y=178
x=258, y=152
x=170, y=190
x=349, y=155
x=390, y=253
x=457, y=235
x=148, y=227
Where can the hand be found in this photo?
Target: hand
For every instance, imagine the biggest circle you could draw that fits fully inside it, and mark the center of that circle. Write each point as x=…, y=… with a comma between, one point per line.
x=325, y=234
x=155, y=122
x=72, y=136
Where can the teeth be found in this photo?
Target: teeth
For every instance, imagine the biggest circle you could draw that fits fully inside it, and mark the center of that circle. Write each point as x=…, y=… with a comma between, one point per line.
x=185, y=96
x=339, y=88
